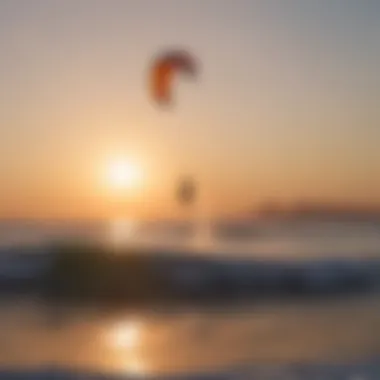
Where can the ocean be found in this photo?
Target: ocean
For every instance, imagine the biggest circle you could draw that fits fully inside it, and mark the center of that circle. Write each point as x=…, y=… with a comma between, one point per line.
x=329, y=337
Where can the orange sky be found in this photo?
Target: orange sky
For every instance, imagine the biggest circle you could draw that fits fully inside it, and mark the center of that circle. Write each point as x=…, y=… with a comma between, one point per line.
x=284, y=108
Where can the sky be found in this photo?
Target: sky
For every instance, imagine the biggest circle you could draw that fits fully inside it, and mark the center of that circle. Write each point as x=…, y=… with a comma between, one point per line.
x=284, y=106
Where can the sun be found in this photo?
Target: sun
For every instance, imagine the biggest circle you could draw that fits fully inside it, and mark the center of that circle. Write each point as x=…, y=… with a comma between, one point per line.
x=123, y=174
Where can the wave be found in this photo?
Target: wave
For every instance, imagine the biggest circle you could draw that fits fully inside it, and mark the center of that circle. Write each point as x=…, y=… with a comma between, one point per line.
x=369, y=369
x=98, y=273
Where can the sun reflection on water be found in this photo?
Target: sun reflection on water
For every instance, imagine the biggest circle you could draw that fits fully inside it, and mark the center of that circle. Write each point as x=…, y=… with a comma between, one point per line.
x=125, y=339
x=135, y=366
x=126, y=335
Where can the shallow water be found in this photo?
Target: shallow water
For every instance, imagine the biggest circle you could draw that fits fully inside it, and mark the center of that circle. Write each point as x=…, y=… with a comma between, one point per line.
x=171, y=341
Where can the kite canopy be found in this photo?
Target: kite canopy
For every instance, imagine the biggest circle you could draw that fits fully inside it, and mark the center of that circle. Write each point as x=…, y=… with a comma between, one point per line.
x=165, y=68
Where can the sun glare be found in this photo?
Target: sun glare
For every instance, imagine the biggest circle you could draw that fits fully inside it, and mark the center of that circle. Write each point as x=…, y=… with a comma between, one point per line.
x=123, y=174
